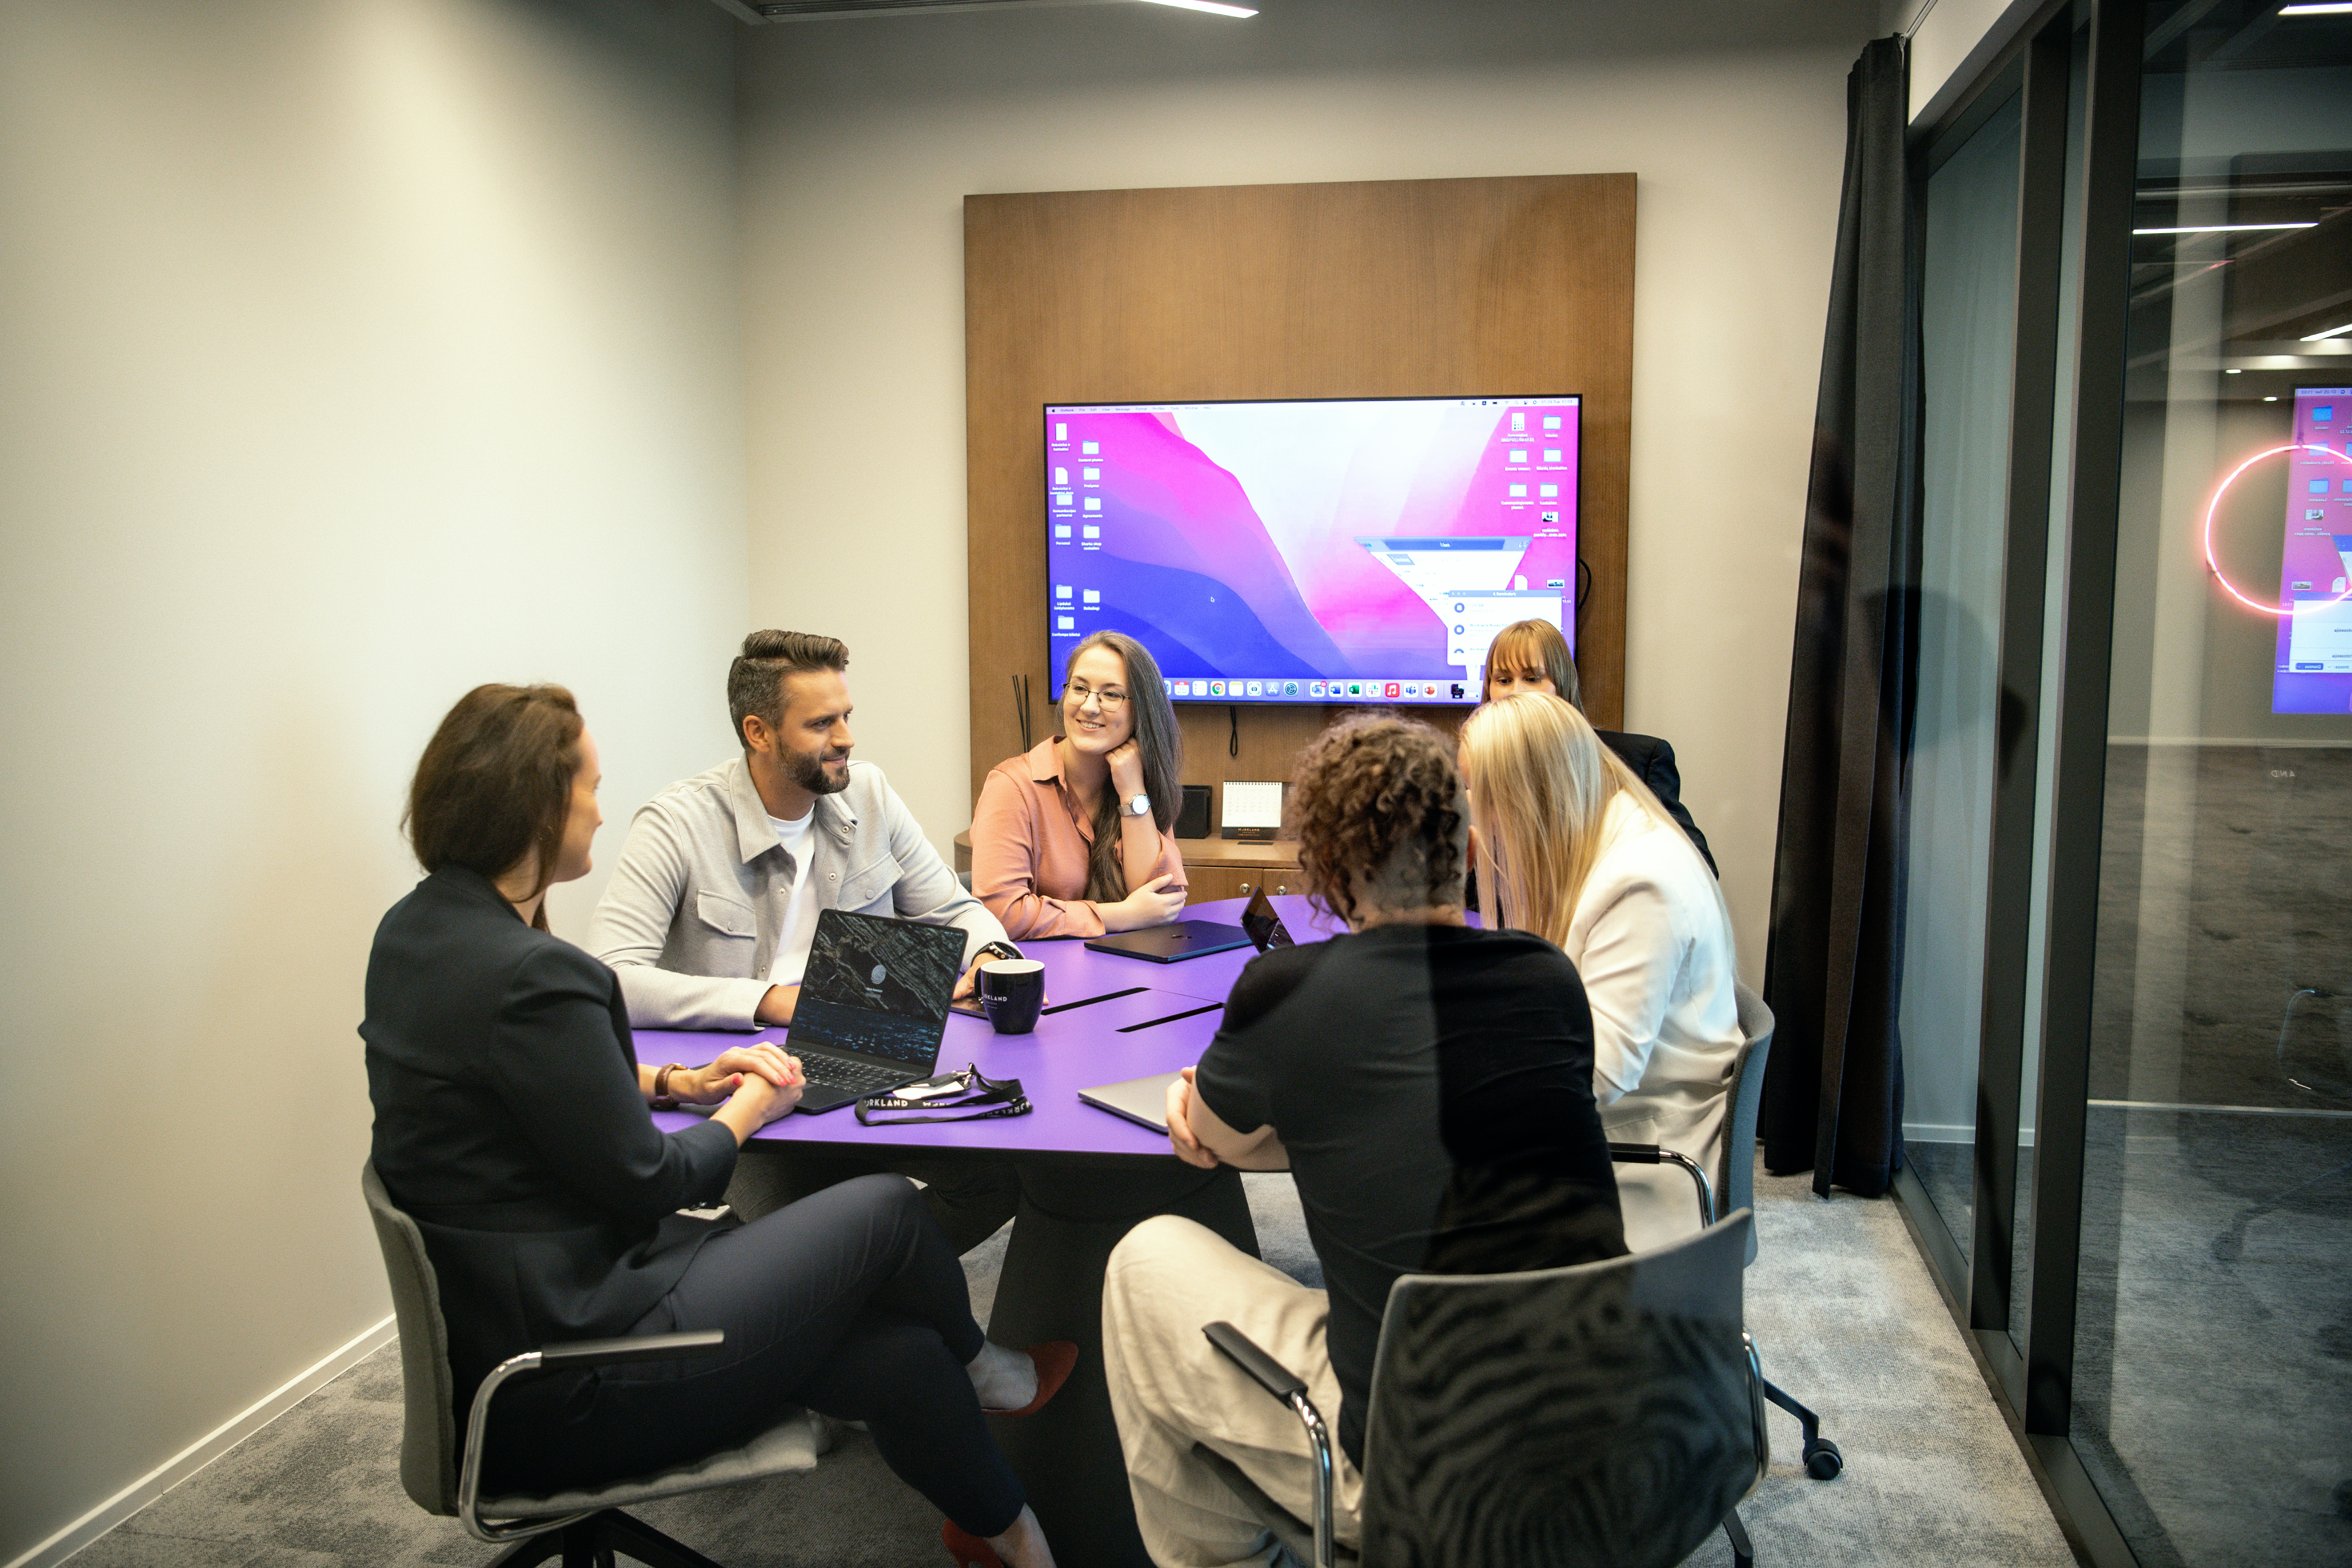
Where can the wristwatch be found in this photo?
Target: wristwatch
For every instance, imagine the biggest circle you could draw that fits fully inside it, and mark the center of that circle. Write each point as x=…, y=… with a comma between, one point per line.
x=1139, y=806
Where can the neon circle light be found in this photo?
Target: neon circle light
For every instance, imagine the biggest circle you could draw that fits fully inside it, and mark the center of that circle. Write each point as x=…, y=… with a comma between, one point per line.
x=2214, y=505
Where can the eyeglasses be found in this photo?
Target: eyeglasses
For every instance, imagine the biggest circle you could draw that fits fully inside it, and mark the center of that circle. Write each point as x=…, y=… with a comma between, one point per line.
x=1110, y=696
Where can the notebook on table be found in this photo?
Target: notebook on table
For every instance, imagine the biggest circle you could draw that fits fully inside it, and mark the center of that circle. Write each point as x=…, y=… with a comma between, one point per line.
x=873, y=1006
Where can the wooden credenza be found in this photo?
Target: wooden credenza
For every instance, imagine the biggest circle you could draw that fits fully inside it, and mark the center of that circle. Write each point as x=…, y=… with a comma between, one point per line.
x=1214, y=868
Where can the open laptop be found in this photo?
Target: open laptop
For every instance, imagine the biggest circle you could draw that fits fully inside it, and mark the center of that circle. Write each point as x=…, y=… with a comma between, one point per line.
x=873, y=1006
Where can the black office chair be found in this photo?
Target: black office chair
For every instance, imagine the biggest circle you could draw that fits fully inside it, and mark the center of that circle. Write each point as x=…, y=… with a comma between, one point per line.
x=585, y=1525
x=1600, y=1413
x=1736, y=1181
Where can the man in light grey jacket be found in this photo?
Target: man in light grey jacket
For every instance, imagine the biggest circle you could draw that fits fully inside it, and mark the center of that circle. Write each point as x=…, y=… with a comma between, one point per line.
x=708, y=915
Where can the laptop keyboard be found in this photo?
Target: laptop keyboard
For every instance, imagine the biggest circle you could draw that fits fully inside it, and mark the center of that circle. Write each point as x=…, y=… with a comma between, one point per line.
x=858, y=1078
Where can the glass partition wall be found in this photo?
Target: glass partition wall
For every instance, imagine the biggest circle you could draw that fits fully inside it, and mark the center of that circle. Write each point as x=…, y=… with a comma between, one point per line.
x=2127, y=985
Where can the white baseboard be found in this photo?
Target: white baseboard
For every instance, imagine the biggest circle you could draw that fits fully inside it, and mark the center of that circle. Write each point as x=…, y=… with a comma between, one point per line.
x=2273, y=742
x=204, y=1449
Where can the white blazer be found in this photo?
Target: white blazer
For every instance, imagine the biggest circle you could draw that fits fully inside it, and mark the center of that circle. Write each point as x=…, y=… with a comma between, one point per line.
x=1651, y=941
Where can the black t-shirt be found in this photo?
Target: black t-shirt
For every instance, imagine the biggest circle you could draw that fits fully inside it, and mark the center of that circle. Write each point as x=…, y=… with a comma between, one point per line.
x=1434, y=1085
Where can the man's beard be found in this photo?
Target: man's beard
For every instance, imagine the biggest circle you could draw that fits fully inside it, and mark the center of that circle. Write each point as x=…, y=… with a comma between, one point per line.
x=808, y=773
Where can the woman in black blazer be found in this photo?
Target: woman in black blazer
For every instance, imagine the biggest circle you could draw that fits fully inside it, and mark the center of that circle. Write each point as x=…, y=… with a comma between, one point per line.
x=1531, y=655
x=511, y=1124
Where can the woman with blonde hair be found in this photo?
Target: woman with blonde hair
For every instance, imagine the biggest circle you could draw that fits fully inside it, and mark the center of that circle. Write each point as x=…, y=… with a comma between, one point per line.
x=1572, y=846
x=1532, y=656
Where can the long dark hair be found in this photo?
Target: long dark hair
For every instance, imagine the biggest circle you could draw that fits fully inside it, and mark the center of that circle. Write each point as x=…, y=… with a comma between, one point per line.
x=1162, y=745
x=494, y=783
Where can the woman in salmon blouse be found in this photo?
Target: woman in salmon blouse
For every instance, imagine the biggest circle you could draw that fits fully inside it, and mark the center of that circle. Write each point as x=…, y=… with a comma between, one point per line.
x=1074, y=836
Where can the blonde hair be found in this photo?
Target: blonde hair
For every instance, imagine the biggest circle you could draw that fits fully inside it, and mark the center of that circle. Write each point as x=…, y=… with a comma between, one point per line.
x=1540, y=785
x=1533, y=646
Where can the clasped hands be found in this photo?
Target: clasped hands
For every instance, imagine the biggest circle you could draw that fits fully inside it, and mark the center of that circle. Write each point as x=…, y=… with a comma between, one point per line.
x=759, y=1081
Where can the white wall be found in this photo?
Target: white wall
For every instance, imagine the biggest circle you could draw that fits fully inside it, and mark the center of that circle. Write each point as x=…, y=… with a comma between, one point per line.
x=860, y=139
x=1951, y=42
x=352, y=352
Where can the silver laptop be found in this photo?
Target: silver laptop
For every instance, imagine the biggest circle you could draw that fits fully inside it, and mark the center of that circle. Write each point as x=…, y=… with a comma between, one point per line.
x=1143, y=1100
x=873, y=1006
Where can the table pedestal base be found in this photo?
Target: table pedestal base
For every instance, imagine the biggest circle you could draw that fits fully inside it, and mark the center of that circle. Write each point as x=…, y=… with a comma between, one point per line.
x=1068, y=1455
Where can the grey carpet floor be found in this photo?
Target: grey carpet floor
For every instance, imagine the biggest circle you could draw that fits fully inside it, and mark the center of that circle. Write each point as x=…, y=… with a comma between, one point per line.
x=1839, y=1302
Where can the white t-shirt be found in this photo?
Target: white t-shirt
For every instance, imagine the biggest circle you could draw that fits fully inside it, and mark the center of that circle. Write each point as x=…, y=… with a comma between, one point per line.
x=800, y=909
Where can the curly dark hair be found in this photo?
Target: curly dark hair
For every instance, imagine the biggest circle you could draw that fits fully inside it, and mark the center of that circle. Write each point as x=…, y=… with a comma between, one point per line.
x=1377, y=804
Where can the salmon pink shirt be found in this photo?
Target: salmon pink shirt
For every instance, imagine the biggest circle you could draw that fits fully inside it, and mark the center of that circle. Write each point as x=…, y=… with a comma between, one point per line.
x=1029, y=841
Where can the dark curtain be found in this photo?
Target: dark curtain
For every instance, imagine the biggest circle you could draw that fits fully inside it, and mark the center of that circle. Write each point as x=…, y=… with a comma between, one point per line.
x=1832, y=971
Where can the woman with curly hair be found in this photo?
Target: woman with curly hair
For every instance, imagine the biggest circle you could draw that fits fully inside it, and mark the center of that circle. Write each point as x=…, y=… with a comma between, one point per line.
x=1429, y=1086
x=1573, y=847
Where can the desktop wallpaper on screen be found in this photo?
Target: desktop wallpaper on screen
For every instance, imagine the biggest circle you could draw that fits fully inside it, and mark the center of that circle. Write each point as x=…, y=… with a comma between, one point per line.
x=1313, y=551
x=2315, y=642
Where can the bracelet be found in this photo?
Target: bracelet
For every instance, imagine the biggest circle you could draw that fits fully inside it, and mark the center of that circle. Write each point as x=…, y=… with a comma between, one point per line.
x=663, y=1098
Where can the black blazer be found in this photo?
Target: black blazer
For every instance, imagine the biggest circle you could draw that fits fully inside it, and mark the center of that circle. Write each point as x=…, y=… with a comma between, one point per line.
x=1653, y=761
x=510, y=1126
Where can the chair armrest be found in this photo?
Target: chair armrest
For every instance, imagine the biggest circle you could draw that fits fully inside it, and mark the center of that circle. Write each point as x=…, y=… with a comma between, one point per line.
x=643, y=1347
x=1657, y=1154
x=1243, y=1353
x=579, y=1352
x=1291, y=1389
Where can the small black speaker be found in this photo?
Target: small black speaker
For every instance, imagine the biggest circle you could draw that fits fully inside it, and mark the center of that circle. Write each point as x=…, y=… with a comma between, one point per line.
x=1193, y=822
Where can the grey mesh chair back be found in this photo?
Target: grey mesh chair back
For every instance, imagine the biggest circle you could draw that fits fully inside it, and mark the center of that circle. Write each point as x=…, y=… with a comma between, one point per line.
x=428, y=1431
x=1736, y=1183
x=1602, y=1413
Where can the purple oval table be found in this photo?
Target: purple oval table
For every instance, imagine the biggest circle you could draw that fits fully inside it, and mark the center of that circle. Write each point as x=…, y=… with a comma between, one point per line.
x=1087, y=1177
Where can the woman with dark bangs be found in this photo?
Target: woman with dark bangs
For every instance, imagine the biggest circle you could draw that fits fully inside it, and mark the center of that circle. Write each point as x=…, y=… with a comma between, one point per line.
x=1429, y=1086
x=1532, y=656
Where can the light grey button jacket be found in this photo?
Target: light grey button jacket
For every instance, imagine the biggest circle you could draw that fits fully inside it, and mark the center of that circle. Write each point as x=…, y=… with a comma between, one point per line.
x=691, y=916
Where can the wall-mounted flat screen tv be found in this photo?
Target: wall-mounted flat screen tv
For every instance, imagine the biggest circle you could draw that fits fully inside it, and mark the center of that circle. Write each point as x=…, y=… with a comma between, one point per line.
x=2315, y=635
x=1311, y=550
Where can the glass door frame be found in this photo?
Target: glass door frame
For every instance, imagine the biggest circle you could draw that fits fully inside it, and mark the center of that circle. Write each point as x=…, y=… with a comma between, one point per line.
x=2036, y=1385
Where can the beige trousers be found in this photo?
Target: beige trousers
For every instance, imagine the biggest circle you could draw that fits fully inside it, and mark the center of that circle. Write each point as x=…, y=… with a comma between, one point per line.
x=1171, y=1388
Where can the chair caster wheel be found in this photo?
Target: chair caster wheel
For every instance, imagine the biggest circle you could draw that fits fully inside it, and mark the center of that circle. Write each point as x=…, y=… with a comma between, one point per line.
x=1822, y=1459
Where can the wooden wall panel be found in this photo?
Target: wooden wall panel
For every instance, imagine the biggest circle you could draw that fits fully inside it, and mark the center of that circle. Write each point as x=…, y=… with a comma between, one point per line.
x=1381, y=289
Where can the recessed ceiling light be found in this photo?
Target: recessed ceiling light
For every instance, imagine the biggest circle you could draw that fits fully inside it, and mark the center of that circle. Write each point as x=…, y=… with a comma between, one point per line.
x=1218, y=8
x=2331, y=8
x=2330, y=333
x=2233, y=373
x=2194, y=228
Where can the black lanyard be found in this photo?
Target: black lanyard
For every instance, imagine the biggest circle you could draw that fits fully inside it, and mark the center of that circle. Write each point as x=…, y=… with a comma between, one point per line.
x=980, y=1098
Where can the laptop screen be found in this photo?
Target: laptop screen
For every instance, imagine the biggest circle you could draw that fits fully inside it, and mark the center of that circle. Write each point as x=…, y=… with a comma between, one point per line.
x=877, y=988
